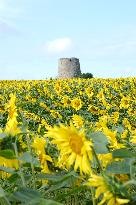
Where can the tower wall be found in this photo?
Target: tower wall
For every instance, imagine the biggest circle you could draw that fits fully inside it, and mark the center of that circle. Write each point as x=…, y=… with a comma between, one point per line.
x=69, y=68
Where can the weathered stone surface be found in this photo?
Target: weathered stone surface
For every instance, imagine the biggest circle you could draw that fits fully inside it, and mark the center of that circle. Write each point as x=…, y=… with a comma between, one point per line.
x=68, y=68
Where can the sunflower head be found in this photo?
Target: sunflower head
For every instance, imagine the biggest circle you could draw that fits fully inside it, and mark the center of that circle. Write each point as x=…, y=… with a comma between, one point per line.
x=76, y=103
x=105, y=190
x=77, y=121
x=38, y=145
x=74, y=148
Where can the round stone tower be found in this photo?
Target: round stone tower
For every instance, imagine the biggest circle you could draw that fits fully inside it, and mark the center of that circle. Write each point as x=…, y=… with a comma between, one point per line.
x=68, y=68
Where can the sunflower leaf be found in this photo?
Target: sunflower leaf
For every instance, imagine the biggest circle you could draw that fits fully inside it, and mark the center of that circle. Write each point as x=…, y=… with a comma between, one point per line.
x=2, y=193
x=42, y=201
x=120, y=167
x=28, y=158
x=7, y=170
x=100, y=142
x=25, y=195
x=123, y=153
x=7, y=153
x=133, y=169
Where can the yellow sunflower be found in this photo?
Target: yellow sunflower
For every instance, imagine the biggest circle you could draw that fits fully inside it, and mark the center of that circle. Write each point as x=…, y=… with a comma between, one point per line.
x=77, y=121
x=111, y=135
x=12, y=124
x=105, y=159
x=12, y=127
x=93, y=109
x=89, y=92
x=66, y=101
x=9, y=163
x=39, y=147
x=103, y=188
x=124, y=103
x=76, y=103
x=74, y=148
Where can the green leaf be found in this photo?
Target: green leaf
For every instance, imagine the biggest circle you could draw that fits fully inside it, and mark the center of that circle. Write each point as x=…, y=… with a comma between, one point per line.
x=25, y=195
x=3, y=199
x=100, y=142
x=120, y=129
x=31, y=197
x=49, y=202
x=13, y=178
x=7, y=153
x=61, y=181
x=2, y=193
x=73, y=191
x=56, y=177
x=59, y=185
x=3, y=135
x=28, y=158
x=50, y=177
x=43, y=202
x=133, y=169
x=120, y=167
x=6, y=169
x=123, y=153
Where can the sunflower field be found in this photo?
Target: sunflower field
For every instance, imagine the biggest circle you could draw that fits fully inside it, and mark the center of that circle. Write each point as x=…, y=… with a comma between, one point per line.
x=70, y=142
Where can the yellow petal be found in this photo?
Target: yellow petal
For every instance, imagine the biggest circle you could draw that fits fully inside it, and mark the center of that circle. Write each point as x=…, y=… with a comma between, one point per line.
x=85, y=164
x=122, y=201
x=102, y=202
x=71, y=159
x=48, y=158
x=77, y=162
x=111, y=201
x=99, y=191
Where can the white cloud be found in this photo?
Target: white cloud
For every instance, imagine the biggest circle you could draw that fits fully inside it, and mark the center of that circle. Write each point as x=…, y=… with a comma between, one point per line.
x=58, y=45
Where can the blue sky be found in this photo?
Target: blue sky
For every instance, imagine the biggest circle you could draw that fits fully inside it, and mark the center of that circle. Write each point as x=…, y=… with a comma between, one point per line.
x=35, y=33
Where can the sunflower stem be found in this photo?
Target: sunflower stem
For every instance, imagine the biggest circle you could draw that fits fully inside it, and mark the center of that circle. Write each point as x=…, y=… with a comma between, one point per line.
x=97, y=160
x=93, y=196
x=20, y=167
x=32, y=166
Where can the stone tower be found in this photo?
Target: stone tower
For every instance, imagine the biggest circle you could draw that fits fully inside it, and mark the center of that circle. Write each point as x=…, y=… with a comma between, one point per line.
x=68, y=68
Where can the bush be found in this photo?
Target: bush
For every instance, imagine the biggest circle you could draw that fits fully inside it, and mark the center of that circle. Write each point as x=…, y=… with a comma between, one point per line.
x=86, y=75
